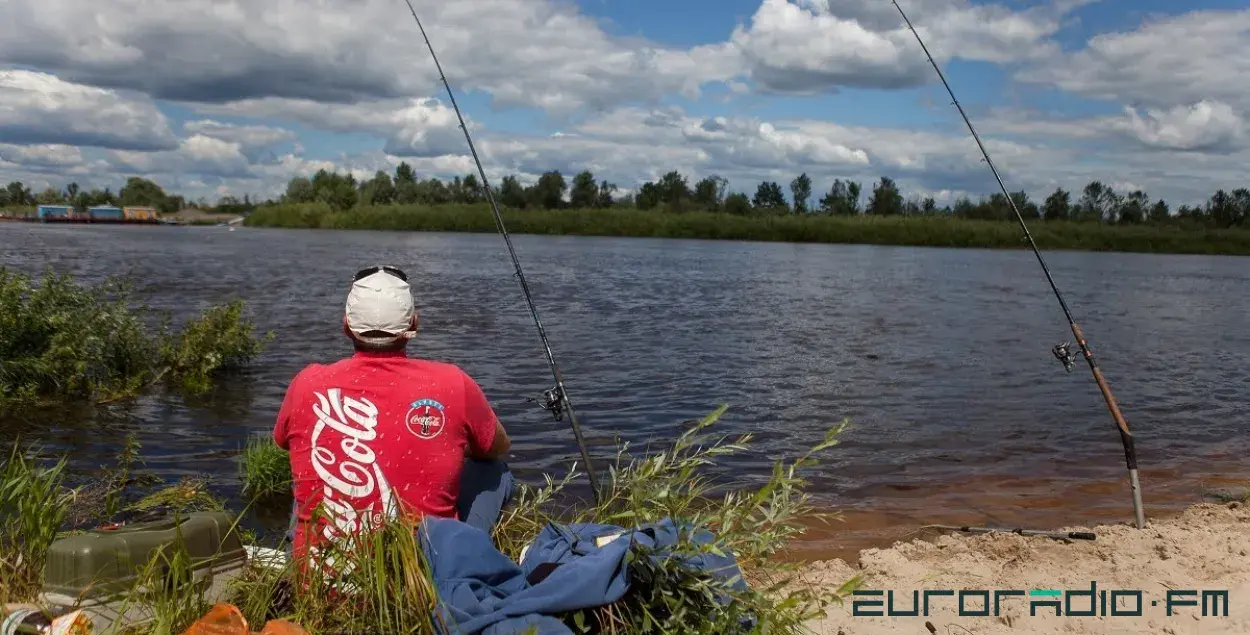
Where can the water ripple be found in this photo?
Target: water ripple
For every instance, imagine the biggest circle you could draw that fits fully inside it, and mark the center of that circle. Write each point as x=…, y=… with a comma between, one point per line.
x=939, y=358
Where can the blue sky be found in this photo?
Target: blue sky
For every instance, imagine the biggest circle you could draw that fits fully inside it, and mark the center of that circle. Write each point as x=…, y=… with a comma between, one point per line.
x=242, y=98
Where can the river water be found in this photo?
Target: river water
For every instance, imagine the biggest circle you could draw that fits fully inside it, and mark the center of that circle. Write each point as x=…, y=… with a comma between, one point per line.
x=939, y=358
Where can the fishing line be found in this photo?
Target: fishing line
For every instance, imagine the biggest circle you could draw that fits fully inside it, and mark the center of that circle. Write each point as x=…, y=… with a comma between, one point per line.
x=556, y=400
x=1062, y=351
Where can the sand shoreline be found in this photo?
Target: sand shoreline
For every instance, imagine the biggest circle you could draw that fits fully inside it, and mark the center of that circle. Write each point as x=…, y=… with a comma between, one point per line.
x=1206, y=547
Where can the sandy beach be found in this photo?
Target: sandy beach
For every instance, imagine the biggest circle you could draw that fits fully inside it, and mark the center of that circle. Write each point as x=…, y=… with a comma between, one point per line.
x=1205, y=548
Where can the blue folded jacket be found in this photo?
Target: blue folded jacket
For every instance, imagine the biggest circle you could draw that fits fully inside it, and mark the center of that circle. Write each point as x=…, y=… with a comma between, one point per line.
x=563, y=570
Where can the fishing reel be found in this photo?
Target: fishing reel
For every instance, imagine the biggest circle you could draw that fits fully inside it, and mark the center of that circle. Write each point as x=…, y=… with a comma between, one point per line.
x=553, y=402
x=1063, y=353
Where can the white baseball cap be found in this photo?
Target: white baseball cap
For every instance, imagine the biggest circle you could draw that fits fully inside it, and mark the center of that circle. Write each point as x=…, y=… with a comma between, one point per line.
x=380, y=300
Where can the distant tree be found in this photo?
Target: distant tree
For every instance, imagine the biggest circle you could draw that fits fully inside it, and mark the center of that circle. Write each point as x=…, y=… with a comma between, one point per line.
x=1133, y=209
x=379, y=190
x=434, y=192
x=1241, y=201
x=604, y=198
x=768, y=196
x=548, y=192
x=1058, y=206
x=299, y=190
x=49, y=196
x=471, y=190
x=707, y=193
x=964, y=207
x=929, y=206
x=19, y=194
x=334, y=189
x=405, y=174
x=1090, y=205
x=511, y=193
x=140, y=191
x=648, y=196
x=674, y=191
x=1158, y=212
x=71, y=191
x=886, y=199
x=1229, y=209
x=1028, y=209
x=585, y=191
x=737, y=203
x=842, y=199
x=801, y=191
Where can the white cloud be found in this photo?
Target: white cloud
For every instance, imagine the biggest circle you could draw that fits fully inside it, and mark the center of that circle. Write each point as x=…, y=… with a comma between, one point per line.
x=197, y=154
x=806, y=46
x=1169, y=60
x=43, y=155
x=1206, y=125
x=415, y=127
x=39, y=108
x=538, y=52
x=248, y=137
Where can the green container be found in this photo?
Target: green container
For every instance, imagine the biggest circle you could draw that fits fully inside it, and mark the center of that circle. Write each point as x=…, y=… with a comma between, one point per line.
x=105, y=562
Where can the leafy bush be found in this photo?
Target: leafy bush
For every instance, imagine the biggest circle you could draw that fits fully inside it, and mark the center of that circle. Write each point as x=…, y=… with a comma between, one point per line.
x=61, y=342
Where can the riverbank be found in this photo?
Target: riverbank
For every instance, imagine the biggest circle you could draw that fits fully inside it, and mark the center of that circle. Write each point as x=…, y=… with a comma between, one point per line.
x=1205, y=548
x=918, y=231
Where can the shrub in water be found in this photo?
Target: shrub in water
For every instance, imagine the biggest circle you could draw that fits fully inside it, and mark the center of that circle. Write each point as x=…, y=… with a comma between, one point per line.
x=61, y=342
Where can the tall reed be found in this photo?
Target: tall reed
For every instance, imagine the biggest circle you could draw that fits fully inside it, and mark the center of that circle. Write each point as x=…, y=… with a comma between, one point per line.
x=33, y=506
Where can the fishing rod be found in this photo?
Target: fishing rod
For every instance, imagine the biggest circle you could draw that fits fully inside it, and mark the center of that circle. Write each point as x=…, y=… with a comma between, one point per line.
x=1058, y=535
x=1062, y=352
x=555, y=400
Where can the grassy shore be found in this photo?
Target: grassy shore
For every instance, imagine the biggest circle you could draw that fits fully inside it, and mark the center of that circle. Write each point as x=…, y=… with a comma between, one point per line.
x=392, y=587
x=930, y=231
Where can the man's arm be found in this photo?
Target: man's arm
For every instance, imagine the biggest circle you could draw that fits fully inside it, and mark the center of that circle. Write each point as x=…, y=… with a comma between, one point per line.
x=280, y=428
x=498, y=448
x=487, y=438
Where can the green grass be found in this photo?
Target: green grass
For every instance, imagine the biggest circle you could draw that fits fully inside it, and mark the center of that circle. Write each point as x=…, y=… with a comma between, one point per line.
x=265, y=468
x=63, y=343
x=382, y=583
x=33, y=507
x=929, y=231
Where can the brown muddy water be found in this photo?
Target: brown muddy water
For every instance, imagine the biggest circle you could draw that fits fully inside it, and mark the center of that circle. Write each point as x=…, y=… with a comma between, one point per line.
x=939, y=358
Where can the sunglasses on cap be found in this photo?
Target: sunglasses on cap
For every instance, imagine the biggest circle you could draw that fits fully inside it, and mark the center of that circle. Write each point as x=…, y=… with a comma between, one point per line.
x=394, y=271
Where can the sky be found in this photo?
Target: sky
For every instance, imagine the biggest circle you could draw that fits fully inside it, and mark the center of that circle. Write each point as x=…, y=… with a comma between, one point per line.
x=232, y=97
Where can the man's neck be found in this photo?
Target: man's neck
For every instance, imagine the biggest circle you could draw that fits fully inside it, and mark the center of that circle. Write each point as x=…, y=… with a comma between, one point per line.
x=381, y=354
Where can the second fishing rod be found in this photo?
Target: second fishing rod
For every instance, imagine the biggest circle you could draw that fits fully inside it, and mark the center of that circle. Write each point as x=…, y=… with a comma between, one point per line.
x=556, y=399
x=1061, y=351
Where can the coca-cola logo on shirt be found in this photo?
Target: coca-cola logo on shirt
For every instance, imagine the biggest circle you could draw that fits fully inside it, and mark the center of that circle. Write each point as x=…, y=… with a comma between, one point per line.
x=426, y=418
x=356, y=493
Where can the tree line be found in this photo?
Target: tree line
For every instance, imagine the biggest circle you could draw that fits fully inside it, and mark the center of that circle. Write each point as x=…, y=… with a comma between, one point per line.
x=135, y=192
x=672, y=192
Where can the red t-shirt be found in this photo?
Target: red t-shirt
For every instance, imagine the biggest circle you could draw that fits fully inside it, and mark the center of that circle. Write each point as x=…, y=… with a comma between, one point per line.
x=376, y=427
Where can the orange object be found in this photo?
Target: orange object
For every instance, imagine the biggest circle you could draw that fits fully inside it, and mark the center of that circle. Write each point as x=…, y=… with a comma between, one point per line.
x=222, y=619
x=226, y=619
x=282, y=627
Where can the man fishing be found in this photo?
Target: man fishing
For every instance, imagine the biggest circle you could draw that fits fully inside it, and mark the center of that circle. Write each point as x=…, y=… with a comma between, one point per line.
x=381, y=433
